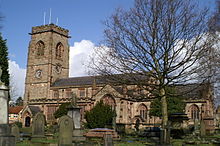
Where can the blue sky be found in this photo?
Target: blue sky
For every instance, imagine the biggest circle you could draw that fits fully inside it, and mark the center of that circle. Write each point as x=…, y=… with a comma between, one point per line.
x=82, y=17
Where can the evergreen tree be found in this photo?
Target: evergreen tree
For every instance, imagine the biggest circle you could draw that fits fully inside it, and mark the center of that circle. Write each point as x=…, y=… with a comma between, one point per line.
x=62, y=110
x=100, y=116
x=19, y=101
x=4, y=61
x=175, y=104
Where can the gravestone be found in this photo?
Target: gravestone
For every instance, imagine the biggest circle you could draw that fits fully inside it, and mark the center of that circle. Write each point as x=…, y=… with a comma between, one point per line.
x=137, y=125
x=65, y=131
x=74, y=114
x=196, y=127
x=108, y=141
x=6, y=139
x=38, y=126
x=15, y=132
x=202, y=128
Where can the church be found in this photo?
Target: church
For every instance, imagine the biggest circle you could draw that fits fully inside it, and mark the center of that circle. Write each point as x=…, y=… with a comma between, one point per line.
x=48, y=85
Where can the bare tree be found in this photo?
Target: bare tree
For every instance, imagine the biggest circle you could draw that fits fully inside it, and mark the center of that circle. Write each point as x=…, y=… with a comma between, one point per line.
x=156, y=39
x=213, y=57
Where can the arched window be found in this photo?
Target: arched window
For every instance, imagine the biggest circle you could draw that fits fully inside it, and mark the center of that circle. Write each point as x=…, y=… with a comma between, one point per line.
x=40, y=48
x=194, y=109
x=59, y=51
x=142, y=111
x=27, y=121
x=108, y=99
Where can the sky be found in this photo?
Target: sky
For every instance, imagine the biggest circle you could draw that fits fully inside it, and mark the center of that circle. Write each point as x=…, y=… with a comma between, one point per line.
x=83, y=19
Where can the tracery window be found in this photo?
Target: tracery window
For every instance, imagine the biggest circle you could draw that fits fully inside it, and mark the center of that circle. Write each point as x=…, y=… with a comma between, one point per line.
x=82, y=92
x=50, y=111
x=59, y=51
x=40, y=48
x=109, y=100
x=68, y=93
x=143, y=111
x=194, y=109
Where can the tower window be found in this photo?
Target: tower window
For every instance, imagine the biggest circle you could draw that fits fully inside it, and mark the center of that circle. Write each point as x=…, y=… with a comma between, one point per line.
x=56, y=94
x=59, y=51
x=40, y=48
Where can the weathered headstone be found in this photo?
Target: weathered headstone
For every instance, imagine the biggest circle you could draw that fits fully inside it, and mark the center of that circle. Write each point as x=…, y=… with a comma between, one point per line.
x=165, y=135
x=6, y=139
x=74, y=114
x=202, y=128
x=196, y=127
x=137, y=125
x=65, y=131
x=15, y=132
x=108, y=141
x=38, y=126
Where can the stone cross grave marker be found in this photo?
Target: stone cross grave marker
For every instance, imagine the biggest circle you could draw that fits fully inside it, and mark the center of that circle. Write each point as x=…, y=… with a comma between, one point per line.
x=4, y=102
x=38, y=128
x=65, y=131
x=74, y=112
x=6, y=139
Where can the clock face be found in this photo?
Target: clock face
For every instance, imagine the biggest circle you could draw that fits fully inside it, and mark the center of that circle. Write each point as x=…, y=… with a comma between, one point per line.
x=58, y=68
x=38, y=73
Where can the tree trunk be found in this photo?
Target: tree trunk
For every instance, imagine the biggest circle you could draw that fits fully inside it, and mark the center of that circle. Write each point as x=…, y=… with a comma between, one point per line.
x=165, y=137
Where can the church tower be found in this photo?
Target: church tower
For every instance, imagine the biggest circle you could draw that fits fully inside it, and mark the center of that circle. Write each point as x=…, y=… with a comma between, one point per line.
x=48, y=60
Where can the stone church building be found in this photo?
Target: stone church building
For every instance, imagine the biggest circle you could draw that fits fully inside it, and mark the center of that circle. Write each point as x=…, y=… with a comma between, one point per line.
x=48, y=85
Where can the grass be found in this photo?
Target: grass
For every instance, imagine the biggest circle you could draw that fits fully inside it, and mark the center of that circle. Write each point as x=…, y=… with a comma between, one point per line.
x=45, y=141
x=37, y=142
x=26, y=130
x=125, y=141
x=179, y=142
x=23, y=143
x=132, y=144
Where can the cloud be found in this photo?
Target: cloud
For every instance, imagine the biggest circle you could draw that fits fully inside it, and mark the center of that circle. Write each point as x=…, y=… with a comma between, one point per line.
x=17, y=79
x=79, y=56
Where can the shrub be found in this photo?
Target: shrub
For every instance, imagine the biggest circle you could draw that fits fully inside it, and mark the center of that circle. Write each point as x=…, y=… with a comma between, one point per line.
x=100, y=116
x=62, y=110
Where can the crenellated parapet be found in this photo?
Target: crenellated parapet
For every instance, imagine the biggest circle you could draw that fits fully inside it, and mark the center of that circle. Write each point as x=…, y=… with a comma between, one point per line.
x=50, y=28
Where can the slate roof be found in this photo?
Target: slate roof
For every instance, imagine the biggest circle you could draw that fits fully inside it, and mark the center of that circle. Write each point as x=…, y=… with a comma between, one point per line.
x=79, y=81
x=15, y=109
x=34, y=109
x=193, y=91
x=90, y=80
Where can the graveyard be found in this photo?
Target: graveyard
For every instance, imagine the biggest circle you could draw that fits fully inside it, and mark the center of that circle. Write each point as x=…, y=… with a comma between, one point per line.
x=69, y=131
x=152, y=81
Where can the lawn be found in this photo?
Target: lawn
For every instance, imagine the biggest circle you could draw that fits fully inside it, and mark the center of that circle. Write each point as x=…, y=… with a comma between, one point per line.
x=125, y=141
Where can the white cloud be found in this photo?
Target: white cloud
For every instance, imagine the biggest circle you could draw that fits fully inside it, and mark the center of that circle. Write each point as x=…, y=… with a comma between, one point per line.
x=79, y=56
x=17, y=79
